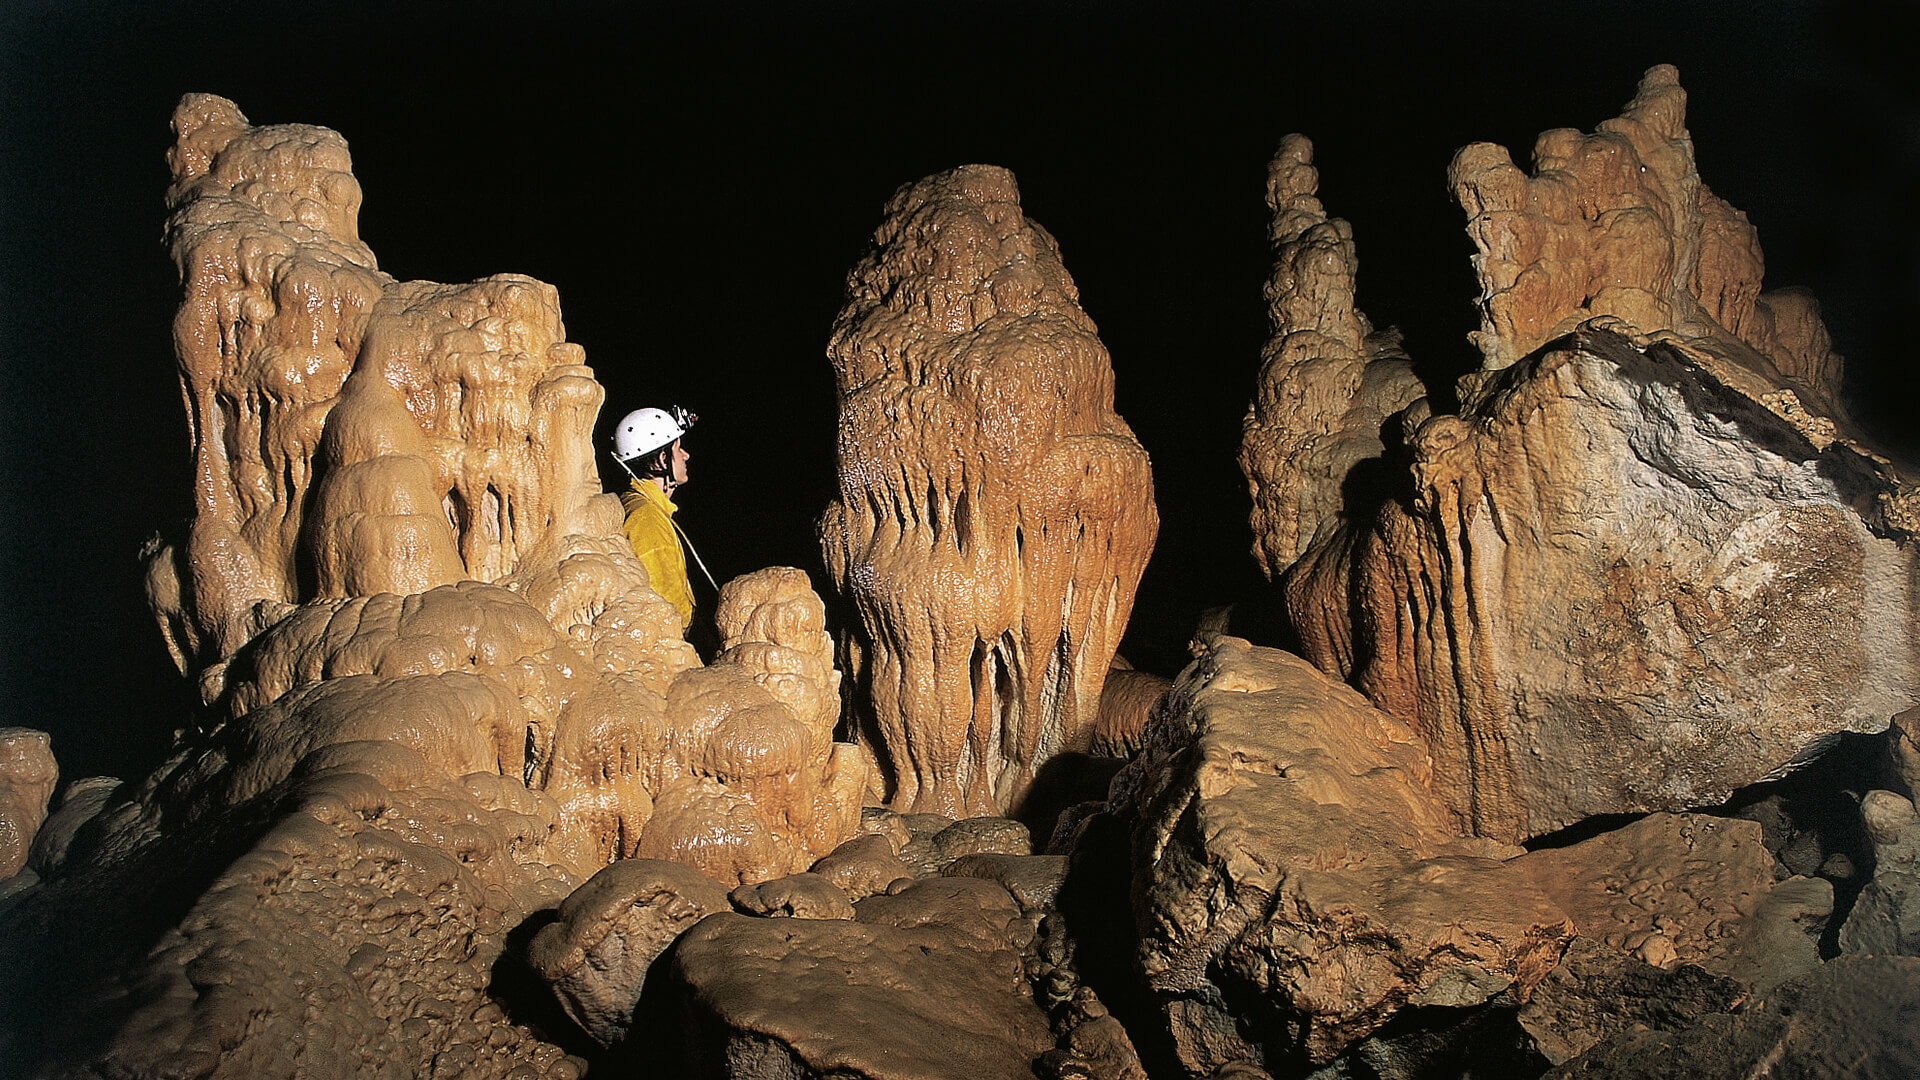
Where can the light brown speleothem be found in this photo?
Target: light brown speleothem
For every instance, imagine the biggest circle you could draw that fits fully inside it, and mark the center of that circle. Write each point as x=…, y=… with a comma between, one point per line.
x=994, y=513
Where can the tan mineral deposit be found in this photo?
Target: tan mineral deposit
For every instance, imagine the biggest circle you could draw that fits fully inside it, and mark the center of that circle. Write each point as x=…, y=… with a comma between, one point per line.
x=995, y=514
x=1596, y=676
x=439, y=691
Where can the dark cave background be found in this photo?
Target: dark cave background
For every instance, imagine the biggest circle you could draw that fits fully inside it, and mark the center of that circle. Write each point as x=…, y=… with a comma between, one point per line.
x=698, y=182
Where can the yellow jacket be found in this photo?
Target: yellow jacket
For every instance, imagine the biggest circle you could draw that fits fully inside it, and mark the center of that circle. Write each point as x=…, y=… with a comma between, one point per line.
x=650, y=530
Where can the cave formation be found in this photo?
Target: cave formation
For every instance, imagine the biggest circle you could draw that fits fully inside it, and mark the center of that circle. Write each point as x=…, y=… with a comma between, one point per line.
x=1593, y=754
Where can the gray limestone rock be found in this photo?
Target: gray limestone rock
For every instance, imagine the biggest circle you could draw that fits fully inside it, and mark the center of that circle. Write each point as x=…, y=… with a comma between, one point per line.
x=1854, y=1017
x=1886, y=916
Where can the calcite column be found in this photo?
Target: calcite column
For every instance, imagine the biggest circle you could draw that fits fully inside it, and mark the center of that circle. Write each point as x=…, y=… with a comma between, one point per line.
x=994, y=513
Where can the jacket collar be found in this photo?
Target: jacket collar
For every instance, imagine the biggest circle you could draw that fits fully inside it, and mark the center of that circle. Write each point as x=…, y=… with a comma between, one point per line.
x=652, y=493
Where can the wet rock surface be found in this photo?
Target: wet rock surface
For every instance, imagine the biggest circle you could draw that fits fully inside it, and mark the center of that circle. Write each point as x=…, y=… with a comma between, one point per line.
x=1295, y=880
x=1689, y=889
x=604, y=938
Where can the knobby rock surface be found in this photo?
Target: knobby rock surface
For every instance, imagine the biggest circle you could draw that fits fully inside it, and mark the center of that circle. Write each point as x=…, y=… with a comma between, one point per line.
x=1328, y=380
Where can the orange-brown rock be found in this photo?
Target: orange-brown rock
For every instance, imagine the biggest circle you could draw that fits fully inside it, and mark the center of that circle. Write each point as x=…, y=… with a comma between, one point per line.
x=454, y=581
x=1724, y=595
x=346, y=923
x=938, y=841
x=444, y=432
x=1033, y=880
x=994, y=512
x=1673, y=889
x=753, y=737
x=1618, y=223
x=598, y=950
x=796, y=896
x=1126, y=702
x=863, y=866
x=1679, y=916
x=1296, y=884
x=1729, y=572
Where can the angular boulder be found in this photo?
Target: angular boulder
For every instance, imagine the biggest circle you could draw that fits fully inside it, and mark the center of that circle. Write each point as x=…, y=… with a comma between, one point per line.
x=1726, y=590
x=1296, y=883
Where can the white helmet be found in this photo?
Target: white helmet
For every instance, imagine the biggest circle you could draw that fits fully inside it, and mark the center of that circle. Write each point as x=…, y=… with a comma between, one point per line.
x=643, y=431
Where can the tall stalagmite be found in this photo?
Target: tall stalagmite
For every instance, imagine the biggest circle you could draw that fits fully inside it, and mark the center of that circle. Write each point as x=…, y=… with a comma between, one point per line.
x=351, y=434
x=1328, y=380
x=995, y=513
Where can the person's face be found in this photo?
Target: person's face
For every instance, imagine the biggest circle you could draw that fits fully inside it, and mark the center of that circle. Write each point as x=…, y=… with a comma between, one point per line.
x=677, y=463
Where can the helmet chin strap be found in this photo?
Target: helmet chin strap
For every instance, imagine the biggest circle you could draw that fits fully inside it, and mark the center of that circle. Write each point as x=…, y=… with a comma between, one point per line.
x=668, y=484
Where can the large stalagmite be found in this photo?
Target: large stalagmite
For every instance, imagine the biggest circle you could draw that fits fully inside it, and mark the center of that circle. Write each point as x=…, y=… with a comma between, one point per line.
x=1651, y=442
x=995, y=514
x=400, y=536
